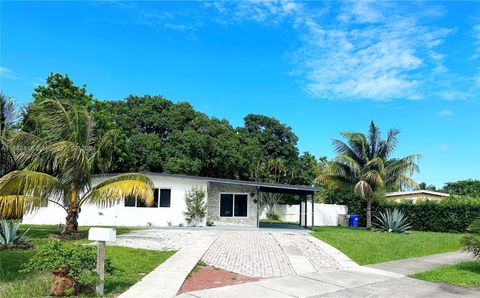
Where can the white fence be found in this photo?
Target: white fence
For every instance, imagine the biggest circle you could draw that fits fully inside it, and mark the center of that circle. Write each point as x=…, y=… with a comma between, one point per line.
x=324, y=214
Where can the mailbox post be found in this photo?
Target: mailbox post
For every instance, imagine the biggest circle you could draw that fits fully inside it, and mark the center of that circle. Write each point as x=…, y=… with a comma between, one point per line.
x=101, y=235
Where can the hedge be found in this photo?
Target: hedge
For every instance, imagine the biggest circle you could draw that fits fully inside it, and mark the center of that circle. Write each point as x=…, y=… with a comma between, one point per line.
x=446, y=216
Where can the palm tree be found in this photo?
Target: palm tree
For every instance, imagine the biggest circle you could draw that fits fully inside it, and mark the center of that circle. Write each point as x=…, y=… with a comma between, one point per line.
x=58, y=166
x=8, y=115
x=365, y=163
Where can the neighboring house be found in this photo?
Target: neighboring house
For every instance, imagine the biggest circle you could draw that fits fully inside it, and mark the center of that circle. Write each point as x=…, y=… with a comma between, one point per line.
x=416, y=195
x=229, y=202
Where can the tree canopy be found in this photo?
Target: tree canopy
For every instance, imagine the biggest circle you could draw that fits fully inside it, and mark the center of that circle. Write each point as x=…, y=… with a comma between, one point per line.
x=156, y=134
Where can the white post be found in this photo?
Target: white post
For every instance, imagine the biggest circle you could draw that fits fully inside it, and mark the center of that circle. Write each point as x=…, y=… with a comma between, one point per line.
x=101, y=266
x=101, y=235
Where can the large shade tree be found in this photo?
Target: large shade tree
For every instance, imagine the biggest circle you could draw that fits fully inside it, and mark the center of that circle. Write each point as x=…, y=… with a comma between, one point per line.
x=58, y=165
x=365, y=163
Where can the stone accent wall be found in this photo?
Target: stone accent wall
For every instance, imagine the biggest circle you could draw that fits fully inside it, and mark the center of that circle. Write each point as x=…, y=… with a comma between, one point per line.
x=213, y=204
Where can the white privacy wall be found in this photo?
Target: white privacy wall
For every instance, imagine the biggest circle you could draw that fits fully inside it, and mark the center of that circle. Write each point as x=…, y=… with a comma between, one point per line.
x=119, y=215
x=325, y=214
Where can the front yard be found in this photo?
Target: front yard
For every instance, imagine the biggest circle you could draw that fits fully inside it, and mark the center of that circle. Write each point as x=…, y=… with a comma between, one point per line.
x=367, y=247
x=130, y=265
x=463, y=274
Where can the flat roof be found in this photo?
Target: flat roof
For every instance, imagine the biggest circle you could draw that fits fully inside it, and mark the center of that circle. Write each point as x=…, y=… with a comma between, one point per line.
x=263, y=186
x=416, y=192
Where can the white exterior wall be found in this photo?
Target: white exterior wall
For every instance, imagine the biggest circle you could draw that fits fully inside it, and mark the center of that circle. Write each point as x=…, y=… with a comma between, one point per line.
x=119, y=215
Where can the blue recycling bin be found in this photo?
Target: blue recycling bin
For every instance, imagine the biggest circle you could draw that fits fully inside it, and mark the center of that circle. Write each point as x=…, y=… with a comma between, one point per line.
x=353, y=220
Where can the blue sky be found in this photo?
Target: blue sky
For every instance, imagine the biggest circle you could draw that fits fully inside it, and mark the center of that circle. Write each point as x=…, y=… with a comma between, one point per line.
x=320, y=67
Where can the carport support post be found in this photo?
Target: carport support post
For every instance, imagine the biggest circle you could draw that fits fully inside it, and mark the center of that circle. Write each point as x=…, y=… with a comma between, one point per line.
x=306, y=213
x=258, y=206
x=313, y=209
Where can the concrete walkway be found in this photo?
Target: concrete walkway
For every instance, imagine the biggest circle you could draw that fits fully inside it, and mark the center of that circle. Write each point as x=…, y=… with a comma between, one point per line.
x=356, y=281
x=166, y=279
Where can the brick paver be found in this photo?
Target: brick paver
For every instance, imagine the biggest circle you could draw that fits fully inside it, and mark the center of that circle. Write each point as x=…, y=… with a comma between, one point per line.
x=156, y=239
x=318, y=257
x=249, y=253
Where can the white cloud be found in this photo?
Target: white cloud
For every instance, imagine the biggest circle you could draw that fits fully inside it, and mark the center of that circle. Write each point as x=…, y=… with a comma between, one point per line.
x=445, y=113
x=355, y=50
x=7, y=73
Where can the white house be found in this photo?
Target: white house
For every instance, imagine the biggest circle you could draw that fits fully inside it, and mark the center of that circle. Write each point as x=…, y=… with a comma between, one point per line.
x=229, y=202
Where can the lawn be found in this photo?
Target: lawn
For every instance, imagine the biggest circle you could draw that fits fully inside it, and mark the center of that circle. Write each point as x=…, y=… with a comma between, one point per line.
x=367, y=247
x=463, y=274
x=130, y=265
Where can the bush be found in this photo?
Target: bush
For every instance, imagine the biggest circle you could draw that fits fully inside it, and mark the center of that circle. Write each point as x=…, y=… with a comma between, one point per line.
x=273, y=216
x=196, y=207
x=77, y=261
x=447, y=216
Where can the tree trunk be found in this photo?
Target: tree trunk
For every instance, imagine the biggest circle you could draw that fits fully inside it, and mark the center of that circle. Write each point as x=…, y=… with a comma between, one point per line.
x=369, y=214
x=71, y=223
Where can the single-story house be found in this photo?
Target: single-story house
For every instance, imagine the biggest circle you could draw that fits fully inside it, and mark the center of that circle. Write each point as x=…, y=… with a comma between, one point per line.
x=229, y=202
x=416, y=195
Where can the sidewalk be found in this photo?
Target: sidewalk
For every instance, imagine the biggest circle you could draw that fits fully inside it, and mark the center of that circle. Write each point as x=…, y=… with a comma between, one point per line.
x=356, y=281
x=166, y=280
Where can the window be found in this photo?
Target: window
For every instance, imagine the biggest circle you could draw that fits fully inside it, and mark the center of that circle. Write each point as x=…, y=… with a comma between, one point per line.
x=165, y=195
x=241, y=203
x=226, y=205
x=130, y=201
x=133, y=201
x=233, y=205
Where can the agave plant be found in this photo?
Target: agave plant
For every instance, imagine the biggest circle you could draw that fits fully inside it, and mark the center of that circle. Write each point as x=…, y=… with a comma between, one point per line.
x=10, y=235
x=472, y=242
x=392, y=221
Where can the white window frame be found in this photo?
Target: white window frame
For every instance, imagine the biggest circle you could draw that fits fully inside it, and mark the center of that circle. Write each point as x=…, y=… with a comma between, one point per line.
x=233, y=206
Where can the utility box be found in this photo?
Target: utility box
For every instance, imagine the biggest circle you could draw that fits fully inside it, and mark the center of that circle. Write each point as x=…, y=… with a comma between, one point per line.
x=102, y=234
x=342, y=220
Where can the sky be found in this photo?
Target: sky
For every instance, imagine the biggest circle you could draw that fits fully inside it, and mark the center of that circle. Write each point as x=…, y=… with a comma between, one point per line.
x=319, y=67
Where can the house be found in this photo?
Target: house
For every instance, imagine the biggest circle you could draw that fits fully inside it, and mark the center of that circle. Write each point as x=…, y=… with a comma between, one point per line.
x=416, y=195
x=229, y=202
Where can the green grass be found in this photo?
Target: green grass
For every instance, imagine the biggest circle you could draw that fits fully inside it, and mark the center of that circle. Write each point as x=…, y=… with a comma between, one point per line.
x=367, y=247
x=130, y=265
x=463, y=274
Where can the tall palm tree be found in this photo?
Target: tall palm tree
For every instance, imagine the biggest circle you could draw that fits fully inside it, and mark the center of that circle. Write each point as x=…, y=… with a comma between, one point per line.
x=365, y=162
x=58, y=166
x=8, y=115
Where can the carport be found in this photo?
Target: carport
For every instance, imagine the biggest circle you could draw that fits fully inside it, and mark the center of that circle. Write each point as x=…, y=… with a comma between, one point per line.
x=304, y=193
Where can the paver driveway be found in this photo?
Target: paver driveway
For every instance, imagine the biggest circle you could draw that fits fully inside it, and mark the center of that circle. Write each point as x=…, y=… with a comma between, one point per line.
x=269, y=254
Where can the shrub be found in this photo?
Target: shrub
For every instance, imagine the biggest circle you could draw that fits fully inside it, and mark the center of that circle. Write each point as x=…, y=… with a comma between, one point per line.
x=77, y=262
x=392, y=221
x=10, y=236
x=452, y=215
x=196, y=208
x=273, y=216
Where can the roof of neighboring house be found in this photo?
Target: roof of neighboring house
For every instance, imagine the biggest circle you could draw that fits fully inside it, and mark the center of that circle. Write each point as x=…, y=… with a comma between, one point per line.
x=417, y=192
x=265, y=187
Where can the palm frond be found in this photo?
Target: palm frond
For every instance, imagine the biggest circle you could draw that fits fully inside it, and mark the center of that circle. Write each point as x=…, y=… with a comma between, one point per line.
x=29, y=183
x=363, y=189
x=375, y=163
x=54, y=120
x=343, y=149
x=29, y=148
x=111, y=193
x=373, y=138
x=105, y=147
x=373, y=178
x=359, y=144
x=71, y=163
x=15, y=207
x=387, y=146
